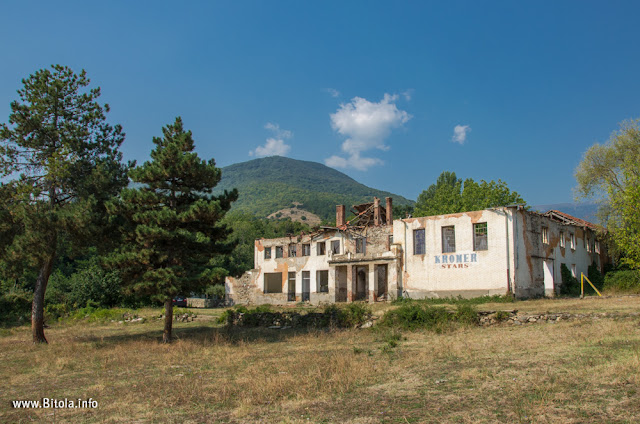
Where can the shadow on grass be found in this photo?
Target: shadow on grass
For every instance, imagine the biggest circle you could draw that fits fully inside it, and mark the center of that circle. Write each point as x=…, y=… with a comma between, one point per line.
x=205, y=335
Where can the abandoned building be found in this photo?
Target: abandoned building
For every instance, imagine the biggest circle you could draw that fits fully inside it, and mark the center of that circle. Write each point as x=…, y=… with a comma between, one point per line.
x=373, y=257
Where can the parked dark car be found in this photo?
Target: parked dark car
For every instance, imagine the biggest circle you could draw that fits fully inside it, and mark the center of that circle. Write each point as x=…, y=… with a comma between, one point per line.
x=180, y=301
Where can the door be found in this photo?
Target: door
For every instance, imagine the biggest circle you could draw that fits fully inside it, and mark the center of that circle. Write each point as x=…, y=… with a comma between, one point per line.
x=291, y=289
x=341, y=284
x=361, y=282
x=548, y=278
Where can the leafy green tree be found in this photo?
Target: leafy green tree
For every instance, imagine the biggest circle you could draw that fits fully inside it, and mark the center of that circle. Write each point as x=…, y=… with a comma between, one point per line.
x=61, y=161
x=171, y=223
x=610, y=173
x=450, y=195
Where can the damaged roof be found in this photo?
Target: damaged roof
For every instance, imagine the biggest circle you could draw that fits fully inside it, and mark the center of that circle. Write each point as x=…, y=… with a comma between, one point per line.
x=565, y=218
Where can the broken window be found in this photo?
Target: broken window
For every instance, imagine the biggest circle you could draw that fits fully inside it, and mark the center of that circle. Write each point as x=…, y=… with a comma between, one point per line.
x=448, y=239
x=480, y=236
x=273, y=282
x=322, y=281
x=572, y=241
x=573, y=271
x=561, y=238
x=588, y=244
x=306, y=249
x=279, y=250
x=293, y=250
x=361, y=245
x=545, y=235
x=335, y=247
x=418, y=242
x=390, y=242
x=597, y=246
x=320, y=248
x=267, y=252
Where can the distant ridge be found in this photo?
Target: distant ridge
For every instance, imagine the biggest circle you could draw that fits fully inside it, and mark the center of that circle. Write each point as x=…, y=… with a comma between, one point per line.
x=269, y=184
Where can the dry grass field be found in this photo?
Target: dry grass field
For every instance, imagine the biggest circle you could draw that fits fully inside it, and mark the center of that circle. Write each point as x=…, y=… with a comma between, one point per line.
x=576, y=371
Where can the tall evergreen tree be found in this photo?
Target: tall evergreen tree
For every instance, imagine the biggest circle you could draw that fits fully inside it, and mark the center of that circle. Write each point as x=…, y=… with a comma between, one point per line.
x=61, y=162
x=171, y=222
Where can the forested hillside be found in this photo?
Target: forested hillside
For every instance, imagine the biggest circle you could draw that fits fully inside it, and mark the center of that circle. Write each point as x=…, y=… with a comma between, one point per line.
x=269, y=184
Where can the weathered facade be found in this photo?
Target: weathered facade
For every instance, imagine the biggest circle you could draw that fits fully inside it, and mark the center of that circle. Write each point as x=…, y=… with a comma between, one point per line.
x=373, y=257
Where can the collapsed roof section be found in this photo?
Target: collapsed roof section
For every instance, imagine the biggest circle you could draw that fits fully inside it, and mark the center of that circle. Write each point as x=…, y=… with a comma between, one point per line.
x=567, y=219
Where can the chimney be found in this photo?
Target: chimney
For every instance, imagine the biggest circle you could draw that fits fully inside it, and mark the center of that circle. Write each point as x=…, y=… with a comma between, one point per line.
x=376, y=211
x=339, y=215
x=389, y=210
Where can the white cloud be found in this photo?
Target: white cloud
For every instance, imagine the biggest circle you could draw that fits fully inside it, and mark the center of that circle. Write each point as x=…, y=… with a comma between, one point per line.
x=366, y=125
x=408, y=94
x=332, y=92
x=460, y=133
x=274, y=146
x=280, y=133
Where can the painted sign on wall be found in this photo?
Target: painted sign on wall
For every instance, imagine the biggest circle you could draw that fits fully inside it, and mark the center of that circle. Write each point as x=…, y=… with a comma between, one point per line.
x=458, y=260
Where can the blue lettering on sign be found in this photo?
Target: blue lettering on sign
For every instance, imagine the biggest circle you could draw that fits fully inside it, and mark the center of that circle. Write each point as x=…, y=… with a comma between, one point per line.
x=462, y=258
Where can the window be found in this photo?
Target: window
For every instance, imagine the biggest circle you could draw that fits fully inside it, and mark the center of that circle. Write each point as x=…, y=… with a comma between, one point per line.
x=572, y=241
x=273, y=282
x=390, y=242
x=335, y=247
x=279, y=250
x=361, y=245
x=306, y=249
x=545, y=235
x=320, y=248
x=322, y=280
x=573, y=271
x=448, y=239
x=267, y=252
x=418, y=242
x=561, y=238
x=597, y=246
x=293, y=250
x=593, y=244
x=480, y=236
x=588, y=244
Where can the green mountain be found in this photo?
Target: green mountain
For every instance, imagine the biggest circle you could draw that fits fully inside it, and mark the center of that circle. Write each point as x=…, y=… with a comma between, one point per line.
x=269, y=184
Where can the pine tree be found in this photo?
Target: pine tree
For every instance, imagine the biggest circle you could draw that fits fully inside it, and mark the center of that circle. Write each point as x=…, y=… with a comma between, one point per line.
x=171, y=222
x=61, y=162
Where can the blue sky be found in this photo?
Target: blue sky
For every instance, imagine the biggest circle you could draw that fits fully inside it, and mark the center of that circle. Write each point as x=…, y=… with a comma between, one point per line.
x=391, y=93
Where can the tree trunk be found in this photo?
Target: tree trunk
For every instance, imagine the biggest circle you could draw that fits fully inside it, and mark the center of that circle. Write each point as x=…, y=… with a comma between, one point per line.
x=168, y=320
x=37, y=309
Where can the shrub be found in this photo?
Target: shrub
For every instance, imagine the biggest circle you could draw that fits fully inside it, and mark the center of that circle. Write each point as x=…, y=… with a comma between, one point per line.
x=15, y=307
x=623, y=281
x=594, y=275
x=570, y=285
x=457, y=300
x=413, y=316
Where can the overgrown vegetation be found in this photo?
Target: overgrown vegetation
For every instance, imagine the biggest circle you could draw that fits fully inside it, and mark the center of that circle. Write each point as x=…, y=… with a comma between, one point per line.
x=348, y=316
x=417, y=315
x=457, y=300
x=622, y=281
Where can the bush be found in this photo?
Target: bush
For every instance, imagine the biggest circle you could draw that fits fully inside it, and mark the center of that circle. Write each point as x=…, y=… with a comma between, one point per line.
x=89, y=284
x=413, y=316
x=570, y=285
x=623, y=281
x=457, y=300
x=15, y=307
x=92, y=314
x=594, y=275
